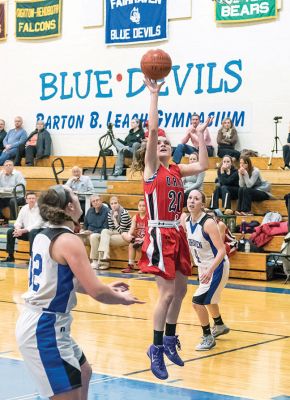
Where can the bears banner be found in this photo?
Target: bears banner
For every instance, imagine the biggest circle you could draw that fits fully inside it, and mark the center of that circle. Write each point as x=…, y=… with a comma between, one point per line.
x=2, y=21
x=231, y=11
x=135, y=21
x=38, y=19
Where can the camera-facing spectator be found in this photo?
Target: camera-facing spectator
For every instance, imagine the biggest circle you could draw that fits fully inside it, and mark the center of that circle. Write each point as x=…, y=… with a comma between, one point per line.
x=80, y=183
x=9, y=178
x=194, y=181
x=191, y=135
x=36, y=146
x=227, y=185
x=12, y=140
x=227, y=138
x=252, y=187
x=3, y=133
x=26, y=227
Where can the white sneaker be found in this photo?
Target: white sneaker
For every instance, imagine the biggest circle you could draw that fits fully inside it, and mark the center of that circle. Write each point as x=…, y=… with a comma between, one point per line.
x=206, y=343
x=95, y=264
x=104, y=265
x=218, y=330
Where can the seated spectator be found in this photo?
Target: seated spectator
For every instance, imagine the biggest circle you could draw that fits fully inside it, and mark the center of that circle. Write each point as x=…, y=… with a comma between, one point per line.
x=9, y=178
x=96, y=219
x=286, y=152
x=135, y=236
x=192, y=182
x=3, y=133
x=12, y=140
x=36, y=146
x=184, y=148
x=252, y=186
x=227, y=187
x=80, y=184
x=119, y=222
x=227, y=138
x=130, y=144
x=26, y=227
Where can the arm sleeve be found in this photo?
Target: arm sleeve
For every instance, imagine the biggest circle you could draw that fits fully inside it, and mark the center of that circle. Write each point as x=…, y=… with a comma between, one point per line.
x=250, y=182
x=125, y=222
x=22, y=139
x=197, y=184
x=230, y=180
x=219, y=137
x=233, y=140
x=19, y=221
x=90, y=185
x=36, y=225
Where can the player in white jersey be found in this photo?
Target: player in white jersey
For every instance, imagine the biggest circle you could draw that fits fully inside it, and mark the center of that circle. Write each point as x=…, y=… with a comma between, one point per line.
x=59, y=267
x=209, y=254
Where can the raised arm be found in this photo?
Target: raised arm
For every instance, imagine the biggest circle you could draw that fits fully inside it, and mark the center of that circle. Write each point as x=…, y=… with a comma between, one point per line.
x=151, y=159
x=202, y=164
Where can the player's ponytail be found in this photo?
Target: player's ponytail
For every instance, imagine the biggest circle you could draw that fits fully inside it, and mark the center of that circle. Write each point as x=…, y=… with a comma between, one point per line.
x=138, y=164
x=53, y=203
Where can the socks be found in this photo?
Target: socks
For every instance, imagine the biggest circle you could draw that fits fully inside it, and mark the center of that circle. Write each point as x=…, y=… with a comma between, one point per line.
x=218, y=320
x=170, y=329
x=158, y=338
x=206, y=330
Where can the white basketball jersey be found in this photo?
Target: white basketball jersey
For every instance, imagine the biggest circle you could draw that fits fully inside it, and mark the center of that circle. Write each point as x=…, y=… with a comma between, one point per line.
x=52, y=286
x=202, y=249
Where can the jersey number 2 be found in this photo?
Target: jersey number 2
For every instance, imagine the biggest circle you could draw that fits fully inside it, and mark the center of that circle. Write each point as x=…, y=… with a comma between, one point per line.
x=35, y=270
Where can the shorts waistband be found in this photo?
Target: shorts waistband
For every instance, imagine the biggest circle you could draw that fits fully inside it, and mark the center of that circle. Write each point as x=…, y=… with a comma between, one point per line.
x=42, y=310
x=154, y=223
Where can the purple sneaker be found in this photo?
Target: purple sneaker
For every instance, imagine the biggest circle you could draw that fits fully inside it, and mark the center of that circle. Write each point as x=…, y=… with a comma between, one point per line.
x=170, y=343
x=158, y=368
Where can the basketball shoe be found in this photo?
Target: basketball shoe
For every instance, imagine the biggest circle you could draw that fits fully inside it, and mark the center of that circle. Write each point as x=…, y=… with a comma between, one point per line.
x=170, y=343
x=218, y=330
x=206, y=343
x=156, y=355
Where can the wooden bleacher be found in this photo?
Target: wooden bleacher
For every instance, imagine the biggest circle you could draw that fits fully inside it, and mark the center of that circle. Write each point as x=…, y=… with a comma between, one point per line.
x=129, y=191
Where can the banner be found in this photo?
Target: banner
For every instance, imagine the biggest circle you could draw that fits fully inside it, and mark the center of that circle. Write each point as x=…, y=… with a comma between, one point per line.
x=2, y=21
x=231, y=11
x=133, y=21
x=38, y=19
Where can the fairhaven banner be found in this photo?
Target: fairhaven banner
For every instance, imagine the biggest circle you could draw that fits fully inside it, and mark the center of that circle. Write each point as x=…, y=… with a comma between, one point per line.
x=2, y=21
x=38, y=19
x=231, y=11
x=133, y=21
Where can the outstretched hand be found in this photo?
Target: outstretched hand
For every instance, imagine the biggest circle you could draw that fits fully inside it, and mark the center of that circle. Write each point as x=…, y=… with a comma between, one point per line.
x=119, y=286
x=202, y=127
x=129, y=299
x=152, y=85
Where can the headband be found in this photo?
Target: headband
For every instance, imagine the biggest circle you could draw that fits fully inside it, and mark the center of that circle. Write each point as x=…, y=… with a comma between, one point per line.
x=61, y=193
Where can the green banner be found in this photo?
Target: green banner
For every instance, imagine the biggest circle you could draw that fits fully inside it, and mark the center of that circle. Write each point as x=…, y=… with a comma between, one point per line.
x=231, y=11
x=38, y=19
x=2, y=21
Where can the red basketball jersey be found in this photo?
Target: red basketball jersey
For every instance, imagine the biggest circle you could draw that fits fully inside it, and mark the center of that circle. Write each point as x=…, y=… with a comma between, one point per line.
x=141, y=224
x=164, y=194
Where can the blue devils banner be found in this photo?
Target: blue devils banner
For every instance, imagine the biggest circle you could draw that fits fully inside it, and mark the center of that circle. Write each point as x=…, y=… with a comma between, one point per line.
x=133, y=21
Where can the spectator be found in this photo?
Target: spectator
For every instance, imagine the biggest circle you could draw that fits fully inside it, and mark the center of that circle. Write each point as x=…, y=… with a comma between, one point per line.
x=286, y=152
x=135, y=236
x=36, y=146
x=193, y=181
x=184, y=148
x=227, y=187
x=13, y=139
x=252, y=186
x=80, y=184
x=119, y=222
x=96, y=220
x=227, y=138
x=3, y=133
x=26, y=227
x=130, y=144
x=9, y=178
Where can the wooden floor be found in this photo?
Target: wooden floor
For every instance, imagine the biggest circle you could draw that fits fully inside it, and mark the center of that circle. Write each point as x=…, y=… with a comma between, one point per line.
x=252, y=361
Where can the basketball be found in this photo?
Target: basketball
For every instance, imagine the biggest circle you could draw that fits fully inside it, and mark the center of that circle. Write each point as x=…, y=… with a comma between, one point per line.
x=156, y=64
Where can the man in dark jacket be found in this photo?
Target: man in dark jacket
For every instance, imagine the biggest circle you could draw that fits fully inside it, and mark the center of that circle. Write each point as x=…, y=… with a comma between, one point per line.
x=37, y=145
x=129, y=145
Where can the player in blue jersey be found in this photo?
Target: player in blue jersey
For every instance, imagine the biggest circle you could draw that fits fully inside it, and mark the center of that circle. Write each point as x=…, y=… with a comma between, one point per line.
x=59, y=266
x=209, y=254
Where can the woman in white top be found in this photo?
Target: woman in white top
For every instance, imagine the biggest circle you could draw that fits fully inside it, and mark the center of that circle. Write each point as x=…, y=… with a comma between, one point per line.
x=208, y=252
x=59, y=266
x=193, y=181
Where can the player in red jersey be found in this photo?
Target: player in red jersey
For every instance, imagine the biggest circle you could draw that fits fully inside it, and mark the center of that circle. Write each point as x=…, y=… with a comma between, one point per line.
x=165, y=250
